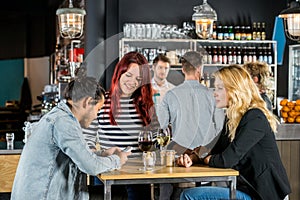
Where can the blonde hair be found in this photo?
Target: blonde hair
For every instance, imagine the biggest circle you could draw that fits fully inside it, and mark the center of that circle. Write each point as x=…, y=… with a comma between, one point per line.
x=243, y=95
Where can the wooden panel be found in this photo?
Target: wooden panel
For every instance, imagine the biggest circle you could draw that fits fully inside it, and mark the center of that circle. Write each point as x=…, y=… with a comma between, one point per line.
x=8, y=167
x=290, y=156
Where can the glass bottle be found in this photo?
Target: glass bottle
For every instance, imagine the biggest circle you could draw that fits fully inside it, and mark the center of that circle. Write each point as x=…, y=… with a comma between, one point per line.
x=263, y=31
x=229, y=57
x=238, y=55
x=258, y=32
x=214, y=34
x=237, y=34
x=225, y=33
x=248, y=32
x=220, y=55
x=243, y=33
x=220, y=32
x=215, y=55
x=231, y=32
x=254, y=30
x=224, y=55
x=234, y=58
x=209, y=55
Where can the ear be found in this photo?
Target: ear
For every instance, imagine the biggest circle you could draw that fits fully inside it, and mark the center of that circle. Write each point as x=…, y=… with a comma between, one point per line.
x=86, y=101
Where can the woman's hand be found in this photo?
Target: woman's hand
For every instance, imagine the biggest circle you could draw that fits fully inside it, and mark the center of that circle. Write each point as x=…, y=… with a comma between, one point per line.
x=184, y=160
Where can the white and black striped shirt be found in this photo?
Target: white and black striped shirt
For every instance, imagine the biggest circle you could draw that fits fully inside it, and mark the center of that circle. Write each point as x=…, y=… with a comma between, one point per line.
x=124, y=134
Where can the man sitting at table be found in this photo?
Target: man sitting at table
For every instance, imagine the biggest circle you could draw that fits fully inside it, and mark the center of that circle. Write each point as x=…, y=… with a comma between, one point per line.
x=56, y=157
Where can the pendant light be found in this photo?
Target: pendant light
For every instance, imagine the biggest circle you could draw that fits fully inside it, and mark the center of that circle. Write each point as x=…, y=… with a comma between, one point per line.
x=204, y=17
x=70, y=21
x=291, y=18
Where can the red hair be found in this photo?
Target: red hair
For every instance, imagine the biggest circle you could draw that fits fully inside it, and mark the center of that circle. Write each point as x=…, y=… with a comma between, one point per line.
x=142, y=96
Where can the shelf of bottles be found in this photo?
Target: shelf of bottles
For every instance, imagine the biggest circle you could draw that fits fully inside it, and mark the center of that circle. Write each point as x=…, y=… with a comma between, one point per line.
x=294, y=72
x=216, y=54
x=150, y=48
x=221, y=53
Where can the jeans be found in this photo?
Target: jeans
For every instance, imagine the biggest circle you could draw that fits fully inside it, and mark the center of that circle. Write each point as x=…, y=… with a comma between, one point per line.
x=211, y=193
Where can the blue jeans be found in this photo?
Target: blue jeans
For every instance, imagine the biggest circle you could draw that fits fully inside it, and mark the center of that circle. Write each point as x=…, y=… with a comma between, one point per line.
x=211, y=193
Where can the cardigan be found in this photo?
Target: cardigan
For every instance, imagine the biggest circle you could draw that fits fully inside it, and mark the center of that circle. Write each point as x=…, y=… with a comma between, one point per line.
x=254, y=153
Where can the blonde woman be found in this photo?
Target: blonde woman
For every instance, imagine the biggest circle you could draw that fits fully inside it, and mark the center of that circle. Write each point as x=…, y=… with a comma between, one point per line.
x=247, y=142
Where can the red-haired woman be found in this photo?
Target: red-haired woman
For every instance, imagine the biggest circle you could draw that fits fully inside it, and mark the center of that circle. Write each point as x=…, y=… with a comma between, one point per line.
x=128, y=109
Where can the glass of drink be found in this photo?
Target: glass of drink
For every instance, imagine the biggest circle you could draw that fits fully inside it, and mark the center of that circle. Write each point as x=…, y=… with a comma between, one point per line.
x=10, y=140
x=145, y=142
x=163, y=137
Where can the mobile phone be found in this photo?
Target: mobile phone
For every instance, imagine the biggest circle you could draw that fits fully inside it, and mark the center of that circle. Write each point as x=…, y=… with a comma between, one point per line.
x=127, y=149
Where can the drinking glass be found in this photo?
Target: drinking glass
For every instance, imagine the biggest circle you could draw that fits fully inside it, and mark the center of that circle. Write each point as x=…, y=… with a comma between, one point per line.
x=10, y=140
x=163, y=137
x=145, y=140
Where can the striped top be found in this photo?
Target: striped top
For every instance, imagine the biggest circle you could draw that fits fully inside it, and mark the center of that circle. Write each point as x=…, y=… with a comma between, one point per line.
x=124, y=134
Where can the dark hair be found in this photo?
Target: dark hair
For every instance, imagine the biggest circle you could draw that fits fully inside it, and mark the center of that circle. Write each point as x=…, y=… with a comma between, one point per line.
x=191, y=60
x=142, y=97
x=161, y=57
x=82, y=87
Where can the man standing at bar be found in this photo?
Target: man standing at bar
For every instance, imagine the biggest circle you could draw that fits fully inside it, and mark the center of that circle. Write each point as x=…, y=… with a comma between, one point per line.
x=161, y=68
x=190, y=109
x=56, y=158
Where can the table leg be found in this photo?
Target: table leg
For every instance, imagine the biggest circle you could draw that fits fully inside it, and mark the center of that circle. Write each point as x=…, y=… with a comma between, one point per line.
x=107, y=190
x=232, y=192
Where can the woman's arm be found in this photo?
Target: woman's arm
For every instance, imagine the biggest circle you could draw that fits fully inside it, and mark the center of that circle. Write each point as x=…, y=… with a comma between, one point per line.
x=250, y=131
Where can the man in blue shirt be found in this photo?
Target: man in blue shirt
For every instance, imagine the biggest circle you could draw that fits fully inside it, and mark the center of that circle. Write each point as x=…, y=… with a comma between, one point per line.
x=56, y=158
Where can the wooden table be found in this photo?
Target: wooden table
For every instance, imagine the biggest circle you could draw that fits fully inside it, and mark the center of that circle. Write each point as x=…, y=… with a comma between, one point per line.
x=132, y=173
x=9, y=160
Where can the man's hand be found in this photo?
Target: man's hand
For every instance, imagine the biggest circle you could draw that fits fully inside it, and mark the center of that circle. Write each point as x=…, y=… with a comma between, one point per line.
x=184, y=160
x=110, y=151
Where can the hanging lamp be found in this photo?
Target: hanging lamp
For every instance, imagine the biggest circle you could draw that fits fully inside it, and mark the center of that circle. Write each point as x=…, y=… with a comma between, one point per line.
x=291, y=18
x=204, y=17
x=70, y=21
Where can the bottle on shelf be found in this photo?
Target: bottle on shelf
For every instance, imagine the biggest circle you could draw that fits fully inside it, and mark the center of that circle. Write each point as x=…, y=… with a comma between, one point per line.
x=220, y=55
x=224, y=55
x=220, y=32
x=209, y=55
x=237, y=33
x=238, y=55
x=243, y=33
x=248, y=32
x=234, y=57
x=229, y=55
x=263, y=31
x=214, y=34
x=258, y=31
x=215, y=55
x=231, y=32
x=225, y=33
x=254, y=30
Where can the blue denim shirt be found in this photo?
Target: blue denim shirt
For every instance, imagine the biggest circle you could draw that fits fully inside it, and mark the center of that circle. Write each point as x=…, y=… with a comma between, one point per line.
x=55, y=159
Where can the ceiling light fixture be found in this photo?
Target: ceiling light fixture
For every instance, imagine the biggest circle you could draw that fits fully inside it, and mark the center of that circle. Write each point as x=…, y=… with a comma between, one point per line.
x=70, y=21
x=204, y=17
x=291, y=17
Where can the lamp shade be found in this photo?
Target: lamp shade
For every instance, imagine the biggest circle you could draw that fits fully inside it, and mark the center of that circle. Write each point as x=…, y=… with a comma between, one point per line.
x=291, y=18
x=204, y=17
x=71, y=22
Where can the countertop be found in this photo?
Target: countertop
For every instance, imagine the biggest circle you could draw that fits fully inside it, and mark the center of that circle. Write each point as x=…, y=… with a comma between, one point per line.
x=285, y=132
x=288, y=132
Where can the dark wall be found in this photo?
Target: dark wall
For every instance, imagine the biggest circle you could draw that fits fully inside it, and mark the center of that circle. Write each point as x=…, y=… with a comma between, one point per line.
x=178, y=11
x=27, y=28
